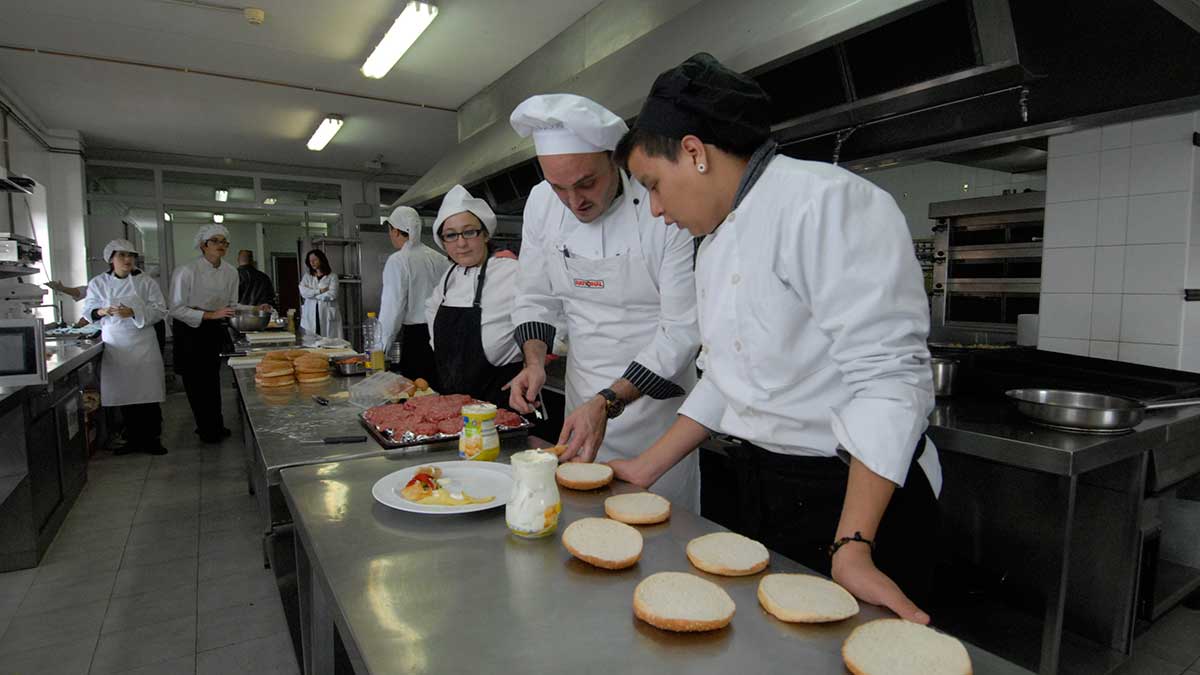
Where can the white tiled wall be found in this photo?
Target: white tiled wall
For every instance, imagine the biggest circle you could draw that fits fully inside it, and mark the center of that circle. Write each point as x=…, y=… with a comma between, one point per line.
x=1123, y=210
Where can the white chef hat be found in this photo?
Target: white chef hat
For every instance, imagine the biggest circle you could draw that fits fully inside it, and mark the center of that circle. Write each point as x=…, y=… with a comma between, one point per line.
x=118, y=245
x=565, y=124
x=457, y=201
x=406, y=219
x=208, y=232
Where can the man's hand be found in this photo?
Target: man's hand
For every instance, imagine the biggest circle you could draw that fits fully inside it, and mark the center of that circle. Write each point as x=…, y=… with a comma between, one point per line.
x=103, y=311
x=525, y=388
x=854, y=569
x=583, y=431
x=223, y=313
x=121, y=311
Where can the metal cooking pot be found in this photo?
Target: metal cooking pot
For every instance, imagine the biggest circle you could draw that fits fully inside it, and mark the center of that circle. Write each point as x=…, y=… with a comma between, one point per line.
x=1086, y=411
x=945, y=371
x=249, y=320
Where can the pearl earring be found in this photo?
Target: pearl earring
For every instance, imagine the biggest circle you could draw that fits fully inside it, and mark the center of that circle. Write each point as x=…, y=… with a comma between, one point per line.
x=700, y=168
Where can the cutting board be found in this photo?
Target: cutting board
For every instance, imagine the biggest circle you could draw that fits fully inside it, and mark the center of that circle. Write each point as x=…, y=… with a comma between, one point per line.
x=269, y=337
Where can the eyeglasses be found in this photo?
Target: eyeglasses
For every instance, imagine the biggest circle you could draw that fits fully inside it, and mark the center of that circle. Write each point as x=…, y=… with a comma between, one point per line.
x=218, y=242
x=465, y=234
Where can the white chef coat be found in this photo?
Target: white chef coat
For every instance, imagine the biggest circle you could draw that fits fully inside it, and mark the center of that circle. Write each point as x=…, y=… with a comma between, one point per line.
x=496, y=305
x=320, y=299
x=198, y=287
x=622, y=287
x=814, y=322
x=409, y=278
x=131, y=368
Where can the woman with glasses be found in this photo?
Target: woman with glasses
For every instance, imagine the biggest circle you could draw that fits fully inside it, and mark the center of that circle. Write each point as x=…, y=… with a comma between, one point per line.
x=319, y=288
x=204, y=293
x=470, y=311
x=126, y=305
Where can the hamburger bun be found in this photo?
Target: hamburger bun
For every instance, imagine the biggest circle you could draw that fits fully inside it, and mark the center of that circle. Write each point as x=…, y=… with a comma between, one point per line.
x=312, y=378
x=805, y=598
x=728, y=554
x=638, y=508
x=311, y=364
x=682, y=602
x=583, y=475
x=279, y=381
x=294, y=354
x=899, y=647
x=280, y=355
x=603, y=543
x=273, y=369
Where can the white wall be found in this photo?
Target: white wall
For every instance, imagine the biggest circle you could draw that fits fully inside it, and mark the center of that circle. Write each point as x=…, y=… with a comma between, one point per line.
x=1122, y=242
x=915, y=186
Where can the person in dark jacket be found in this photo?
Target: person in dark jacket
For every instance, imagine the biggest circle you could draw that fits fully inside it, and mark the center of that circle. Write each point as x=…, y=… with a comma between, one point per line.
x=254, y=287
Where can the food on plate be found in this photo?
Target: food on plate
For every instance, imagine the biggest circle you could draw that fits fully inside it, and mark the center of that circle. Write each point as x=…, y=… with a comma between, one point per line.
x=638, y=508
x=583, y=475
x=430, y=416
x=603, y=543
x=805, y=598
x=728, y=554
x=682, y=602
x=428, y=487
x=899, y=647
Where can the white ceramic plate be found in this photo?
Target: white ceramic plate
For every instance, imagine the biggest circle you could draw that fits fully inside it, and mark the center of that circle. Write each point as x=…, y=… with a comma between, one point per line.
x=477, y=479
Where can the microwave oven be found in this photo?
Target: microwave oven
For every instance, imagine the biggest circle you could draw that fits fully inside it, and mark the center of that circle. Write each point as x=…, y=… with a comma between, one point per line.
x=22, y=352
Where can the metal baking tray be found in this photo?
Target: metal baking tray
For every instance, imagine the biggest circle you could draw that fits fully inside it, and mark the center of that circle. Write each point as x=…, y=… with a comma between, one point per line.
x=387, y=440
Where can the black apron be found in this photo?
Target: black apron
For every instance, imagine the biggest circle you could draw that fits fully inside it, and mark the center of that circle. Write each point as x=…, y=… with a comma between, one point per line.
x=462, y=363
x=792, y=505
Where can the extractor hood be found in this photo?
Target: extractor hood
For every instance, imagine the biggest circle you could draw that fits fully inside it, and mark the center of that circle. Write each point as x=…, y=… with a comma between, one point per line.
x=10, y=182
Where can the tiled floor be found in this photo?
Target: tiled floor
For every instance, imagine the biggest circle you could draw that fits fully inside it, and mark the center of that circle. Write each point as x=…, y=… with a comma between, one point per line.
x=157, y=569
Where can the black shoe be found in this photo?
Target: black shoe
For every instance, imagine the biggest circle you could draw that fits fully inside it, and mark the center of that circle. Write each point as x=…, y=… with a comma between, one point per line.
x=157, y=449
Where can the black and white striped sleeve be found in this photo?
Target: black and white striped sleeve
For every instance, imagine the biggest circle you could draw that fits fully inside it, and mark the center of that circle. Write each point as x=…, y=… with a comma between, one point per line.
x=650, y=384
x=535, y=330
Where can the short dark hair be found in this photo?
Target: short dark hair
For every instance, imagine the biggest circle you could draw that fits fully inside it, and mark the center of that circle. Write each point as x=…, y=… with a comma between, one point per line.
x=658, y=145
x=323, y=265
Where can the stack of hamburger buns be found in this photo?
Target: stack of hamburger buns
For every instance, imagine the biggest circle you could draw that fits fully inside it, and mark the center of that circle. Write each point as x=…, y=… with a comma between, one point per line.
x=311, y=369
x=274, y=371
x=284, y=367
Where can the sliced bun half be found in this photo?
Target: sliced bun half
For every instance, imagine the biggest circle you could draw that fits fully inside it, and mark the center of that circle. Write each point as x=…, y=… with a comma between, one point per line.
x=603, y=543
x=805, y=598
x=583, y=475
x=728, y=554
x=682, y=602
x=638, y=508
x=898, y=647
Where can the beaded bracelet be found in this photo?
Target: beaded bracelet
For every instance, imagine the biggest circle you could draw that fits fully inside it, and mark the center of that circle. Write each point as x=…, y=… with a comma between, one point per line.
x=833, y=548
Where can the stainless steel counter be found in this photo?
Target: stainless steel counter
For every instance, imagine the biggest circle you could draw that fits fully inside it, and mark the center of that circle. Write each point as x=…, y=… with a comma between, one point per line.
x=412, y=593
x=62, y=357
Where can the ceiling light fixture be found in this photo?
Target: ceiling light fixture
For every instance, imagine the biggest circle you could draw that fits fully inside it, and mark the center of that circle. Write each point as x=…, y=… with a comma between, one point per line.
x=413, y=21
x=218, y=218
x=325, y=133
x=222, y=195
x=270, y=201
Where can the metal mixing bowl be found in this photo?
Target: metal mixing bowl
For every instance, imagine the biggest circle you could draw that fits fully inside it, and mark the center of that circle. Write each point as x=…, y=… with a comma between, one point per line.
x=249, y=320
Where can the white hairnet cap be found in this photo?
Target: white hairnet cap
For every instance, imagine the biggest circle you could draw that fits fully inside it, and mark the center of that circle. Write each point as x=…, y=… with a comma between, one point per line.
x=457, y=201
x=118, y=245
x=208, y=232
x=406, y=219
x=566, y=124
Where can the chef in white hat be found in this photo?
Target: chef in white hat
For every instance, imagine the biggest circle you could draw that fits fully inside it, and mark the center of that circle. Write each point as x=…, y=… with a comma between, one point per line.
x=470, y=311
x=595, y=262
x=126, y=305
x=204, y=293
x=409, y=277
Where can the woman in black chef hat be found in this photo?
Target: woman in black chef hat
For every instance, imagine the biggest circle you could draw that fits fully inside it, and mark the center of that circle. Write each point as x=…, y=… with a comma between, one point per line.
x=813, y=322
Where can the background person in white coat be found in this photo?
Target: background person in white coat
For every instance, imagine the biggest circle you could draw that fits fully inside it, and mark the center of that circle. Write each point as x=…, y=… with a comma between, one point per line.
x=470, y=310
x=319, y=288
x=814, y=322
x=596, y=262
x=409, y=277
x=126, y=304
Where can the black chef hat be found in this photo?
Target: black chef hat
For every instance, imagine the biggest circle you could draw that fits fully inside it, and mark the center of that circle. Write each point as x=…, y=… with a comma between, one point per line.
x=703, y=97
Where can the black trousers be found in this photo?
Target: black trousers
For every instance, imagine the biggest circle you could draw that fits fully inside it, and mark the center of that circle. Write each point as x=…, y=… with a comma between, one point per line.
x=416, y=356
x=198, y=361
x=792, y=505
x=143, y=425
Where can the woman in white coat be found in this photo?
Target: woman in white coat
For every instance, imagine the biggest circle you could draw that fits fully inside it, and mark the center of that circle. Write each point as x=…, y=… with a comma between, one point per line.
x=319, y=288
x=126, y=304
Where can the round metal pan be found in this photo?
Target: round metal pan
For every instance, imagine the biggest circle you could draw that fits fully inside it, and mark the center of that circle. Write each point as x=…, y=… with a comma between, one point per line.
x=1086, y=411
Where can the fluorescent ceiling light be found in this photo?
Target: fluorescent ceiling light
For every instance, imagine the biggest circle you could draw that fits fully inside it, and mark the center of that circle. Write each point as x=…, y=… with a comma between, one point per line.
x=218, y=218
x=413, y=21
x=166, y=216
x=222, y=195
x=270, y=201
x=324, y=133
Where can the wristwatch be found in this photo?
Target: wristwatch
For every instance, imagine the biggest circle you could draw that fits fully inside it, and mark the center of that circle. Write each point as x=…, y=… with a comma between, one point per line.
x=613, y=405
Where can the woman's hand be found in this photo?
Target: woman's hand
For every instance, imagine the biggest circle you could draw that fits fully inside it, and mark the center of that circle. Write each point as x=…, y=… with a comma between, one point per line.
x=854, y=569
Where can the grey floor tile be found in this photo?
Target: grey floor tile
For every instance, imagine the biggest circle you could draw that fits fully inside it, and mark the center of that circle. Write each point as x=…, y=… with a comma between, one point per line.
x=149, y=608
x=144, y=646
x=224, y=563
x=76, y=624
x=65, y=658
x=168, y=501
x=271, y=654
x=1147, y=664
x=71, y=542
x=224, y=487
x=222, y=503
x=243, y=518
x=184, y=665
x=65, y=594
x=238, y=539
x=231, y=625
x=78, y=569
x=98, y=520
x=235, y=589
x=150, y=513
x=149, y=533
x=17, y=581
x=163, y=551
x=61, y=552
x=157, y=577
